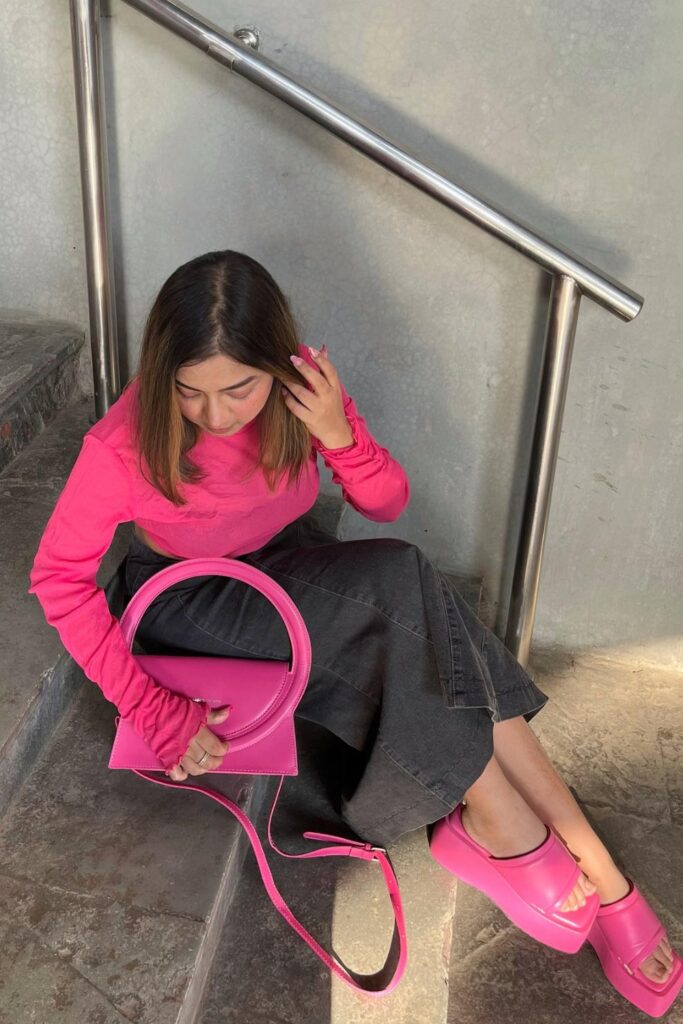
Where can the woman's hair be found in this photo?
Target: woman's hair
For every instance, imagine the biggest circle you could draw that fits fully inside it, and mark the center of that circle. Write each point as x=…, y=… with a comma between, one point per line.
x=219, y=303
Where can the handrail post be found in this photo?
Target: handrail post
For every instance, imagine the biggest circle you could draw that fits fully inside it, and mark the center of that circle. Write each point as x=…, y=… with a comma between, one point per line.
x=88, y=82
x=563, y=312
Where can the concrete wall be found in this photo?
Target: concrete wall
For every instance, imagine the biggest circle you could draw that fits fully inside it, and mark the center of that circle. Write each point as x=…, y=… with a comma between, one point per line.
x=566, y=115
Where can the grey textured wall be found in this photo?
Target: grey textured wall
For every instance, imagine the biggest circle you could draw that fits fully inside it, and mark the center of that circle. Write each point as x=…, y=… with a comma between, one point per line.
x=566, y=115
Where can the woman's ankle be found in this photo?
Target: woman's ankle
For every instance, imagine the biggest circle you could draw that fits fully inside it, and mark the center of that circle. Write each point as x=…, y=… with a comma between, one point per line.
x=506, y=836
x=610, y=883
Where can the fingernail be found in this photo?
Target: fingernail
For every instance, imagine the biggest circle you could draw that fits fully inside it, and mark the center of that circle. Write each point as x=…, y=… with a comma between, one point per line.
x=296, y=360
x=314, y=351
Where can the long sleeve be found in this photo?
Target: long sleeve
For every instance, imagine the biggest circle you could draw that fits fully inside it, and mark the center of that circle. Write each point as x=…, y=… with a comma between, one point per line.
x=371, y=480
x=97, y=497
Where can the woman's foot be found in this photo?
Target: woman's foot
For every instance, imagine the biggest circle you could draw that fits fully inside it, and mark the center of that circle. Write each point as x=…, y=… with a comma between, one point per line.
x=525, y=833
x=659, y=964
x=520, y=834
x=533, y=776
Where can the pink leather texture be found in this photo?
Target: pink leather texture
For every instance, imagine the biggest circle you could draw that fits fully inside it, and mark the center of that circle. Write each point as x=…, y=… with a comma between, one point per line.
x=624, y=933
x=529, y=889
x=252, y=689
x=262, y=694
x=260, y=729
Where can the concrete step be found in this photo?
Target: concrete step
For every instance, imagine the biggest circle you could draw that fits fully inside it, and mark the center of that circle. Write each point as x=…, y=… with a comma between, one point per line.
x=38, y=377
x=263, y=971
x=112, y=889
x=39, y=678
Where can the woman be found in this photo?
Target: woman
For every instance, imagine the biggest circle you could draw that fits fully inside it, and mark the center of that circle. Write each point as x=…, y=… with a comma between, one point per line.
x=211, y=451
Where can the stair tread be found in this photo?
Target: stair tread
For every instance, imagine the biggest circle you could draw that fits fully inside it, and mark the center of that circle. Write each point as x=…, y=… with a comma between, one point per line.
x=39, y=364
x=29, y=348
x=111, y=874
x=261, y=961
x=29, y=488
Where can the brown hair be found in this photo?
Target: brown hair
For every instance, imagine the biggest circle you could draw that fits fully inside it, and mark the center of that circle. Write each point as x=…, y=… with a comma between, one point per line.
x=219, y=303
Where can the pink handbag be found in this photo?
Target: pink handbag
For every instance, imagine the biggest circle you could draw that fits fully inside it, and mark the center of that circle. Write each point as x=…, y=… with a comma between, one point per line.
x=263, y=695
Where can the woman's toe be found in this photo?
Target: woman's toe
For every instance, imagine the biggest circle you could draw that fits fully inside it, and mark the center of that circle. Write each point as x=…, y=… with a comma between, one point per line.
x=666, y=946
x=656, y=966
x=575, y=899
x=663, y=954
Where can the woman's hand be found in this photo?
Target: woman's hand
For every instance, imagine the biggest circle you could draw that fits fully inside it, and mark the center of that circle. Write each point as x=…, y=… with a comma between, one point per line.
x=205, y=740
x=322, y=407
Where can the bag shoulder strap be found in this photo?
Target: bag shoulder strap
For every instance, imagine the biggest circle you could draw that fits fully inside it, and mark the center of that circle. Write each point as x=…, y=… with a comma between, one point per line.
x=372, y=984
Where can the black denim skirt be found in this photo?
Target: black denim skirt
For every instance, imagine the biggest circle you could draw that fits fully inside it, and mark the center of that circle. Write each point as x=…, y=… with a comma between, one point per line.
x=406, y=681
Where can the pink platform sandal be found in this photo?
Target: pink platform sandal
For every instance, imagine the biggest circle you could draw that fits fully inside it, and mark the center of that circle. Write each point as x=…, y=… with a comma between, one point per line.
x=529, y=888
x=623, y=934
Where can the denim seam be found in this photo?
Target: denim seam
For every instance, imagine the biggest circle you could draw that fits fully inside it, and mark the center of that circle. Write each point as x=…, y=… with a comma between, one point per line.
x=377, y=822
x=450, y=640
x=519, y=685
x=346, y=597
x=491, y=692
x=538, y=706
x=472, y=707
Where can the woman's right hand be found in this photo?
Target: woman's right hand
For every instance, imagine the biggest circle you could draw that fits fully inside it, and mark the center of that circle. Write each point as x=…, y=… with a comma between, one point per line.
x=205, y=740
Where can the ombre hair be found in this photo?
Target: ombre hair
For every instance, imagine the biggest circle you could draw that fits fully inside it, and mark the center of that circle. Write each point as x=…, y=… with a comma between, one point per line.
x=221, y=303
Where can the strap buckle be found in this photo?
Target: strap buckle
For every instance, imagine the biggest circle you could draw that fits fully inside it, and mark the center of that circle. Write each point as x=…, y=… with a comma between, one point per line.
x=358, y=851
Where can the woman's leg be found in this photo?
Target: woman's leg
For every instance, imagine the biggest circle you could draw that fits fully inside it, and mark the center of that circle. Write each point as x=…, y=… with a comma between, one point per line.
x=498, y=817
x=519, y=785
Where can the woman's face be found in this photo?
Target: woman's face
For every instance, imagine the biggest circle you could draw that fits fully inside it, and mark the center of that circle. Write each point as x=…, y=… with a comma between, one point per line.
x=221, y=395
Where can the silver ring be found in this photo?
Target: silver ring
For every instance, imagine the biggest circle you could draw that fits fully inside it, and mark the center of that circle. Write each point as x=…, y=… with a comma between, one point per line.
x=199, y=762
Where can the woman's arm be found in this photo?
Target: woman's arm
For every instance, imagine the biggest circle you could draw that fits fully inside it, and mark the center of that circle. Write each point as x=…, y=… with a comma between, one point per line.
x=97, y=497
x=371, y=479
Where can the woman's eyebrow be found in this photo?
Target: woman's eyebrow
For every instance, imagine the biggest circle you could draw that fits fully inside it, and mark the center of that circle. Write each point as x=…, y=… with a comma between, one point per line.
x=233, y=387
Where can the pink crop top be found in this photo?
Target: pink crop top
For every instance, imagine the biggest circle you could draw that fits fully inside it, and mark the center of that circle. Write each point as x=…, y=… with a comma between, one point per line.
x=223, y=517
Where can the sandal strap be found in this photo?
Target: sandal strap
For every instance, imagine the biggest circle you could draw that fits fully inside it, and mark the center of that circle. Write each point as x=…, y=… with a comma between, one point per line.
x=647, y=947
x=631, y=928
x=549, y=871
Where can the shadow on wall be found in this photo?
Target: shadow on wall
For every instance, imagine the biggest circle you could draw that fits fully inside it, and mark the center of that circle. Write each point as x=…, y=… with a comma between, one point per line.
x=448, y=392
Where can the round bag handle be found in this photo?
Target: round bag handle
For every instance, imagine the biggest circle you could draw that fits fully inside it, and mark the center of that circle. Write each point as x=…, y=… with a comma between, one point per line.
x=300, y=641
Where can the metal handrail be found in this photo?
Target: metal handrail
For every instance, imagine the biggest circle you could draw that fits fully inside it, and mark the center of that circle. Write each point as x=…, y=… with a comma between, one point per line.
x=258, y=69
x=572, y=275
